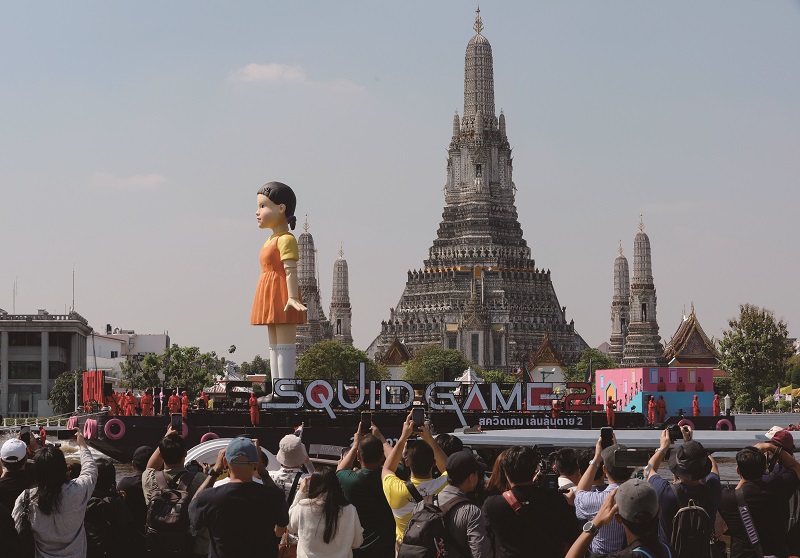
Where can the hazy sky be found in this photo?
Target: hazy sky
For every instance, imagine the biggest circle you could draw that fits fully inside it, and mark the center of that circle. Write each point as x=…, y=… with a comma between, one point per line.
x=134, y=136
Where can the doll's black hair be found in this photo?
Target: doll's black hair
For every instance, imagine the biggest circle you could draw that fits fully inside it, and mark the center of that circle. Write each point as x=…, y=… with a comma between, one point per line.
x=279, y=193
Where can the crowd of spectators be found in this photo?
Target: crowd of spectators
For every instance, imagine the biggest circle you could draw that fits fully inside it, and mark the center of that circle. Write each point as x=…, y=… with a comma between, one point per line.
x=600, y=506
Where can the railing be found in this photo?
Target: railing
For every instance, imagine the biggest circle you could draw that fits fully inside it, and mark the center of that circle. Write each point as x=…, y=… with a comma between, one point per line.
x=44, y=317
x=30, y=419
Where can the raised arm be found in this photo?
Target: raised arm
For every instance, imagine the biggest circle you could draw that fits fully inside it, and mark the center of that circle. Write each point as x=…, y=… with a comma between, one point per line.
x=391, y=463
x=596, y=463
x=346, y=463
x=658, y=456
x=387, y=447
x=438, y=452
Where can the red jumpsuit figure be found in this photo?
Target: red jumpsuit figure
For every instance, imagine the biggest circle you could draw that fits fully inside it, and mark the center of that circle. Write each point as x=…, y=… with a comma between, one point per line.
x=205, y=399
x=254, y=415
x=698, y=386
x=130, y=404
x=174, y=403
x=651, y=411
x=610, y=407
x=681, y=386
x=715, y=408
x=42, y=436
x=661, y=408
x=185, y=405
x=695, y=407
x=147, y=404
x=662, y=385
x=556, y=408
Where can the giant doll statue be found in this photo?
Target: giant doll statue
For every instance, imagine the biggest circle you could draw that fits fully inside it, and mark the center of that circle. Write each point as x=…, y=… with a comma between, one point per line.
x=277, y=304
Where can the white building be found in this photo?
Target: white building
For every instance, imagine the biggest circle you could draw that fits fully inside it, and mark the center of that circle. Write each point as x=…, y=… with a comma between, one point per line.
x=108, y=351
x=34, y=350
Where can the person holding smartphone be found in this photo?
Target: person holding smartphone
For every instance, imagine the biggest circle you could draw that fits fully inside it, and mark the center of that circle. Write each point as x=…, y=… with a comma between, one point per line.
x=420, y=456
x=611, y=537
x=362, y=488
x=56, y=506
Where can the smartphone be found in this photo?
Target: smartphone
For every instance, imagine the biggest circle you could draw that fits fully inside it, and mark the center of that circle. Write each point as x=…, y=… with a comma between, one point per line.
x=366, y=422
x=25, y=434
x=631, y=457
x=176, y=421
x=418, y=417
x=606, y=437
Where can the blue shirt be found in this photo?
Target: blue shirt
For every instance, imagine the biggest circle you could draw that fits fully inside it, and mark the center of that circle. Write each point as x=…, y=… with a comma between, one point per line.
x=609, y=538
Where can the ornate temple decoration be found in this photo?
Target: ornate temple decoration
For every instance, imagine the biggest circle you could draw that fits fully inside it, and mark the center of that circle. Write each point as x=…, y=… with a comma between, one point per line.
x=317, y=326
x=642, y=344
x=620, y=306
x=690, y=346
x=479, y=290
x=340, y=311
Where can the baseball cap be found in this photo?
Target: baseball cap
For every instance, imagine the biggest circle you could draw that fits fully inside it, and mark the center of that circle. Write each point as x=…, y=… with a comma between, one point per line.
x=13, y=451
x=781, y=437
x=141, y=456
x=637, y=501
x=690, y=461
x=242, y=447
x=608, y=455
x=461, y=465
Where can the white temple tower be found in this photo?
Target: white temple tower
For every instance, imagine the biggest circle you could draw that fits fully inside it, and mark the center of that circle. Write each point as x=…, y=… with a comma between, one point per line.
x=479, y=290
x=341, y=313
x=620, y=306
x=643, y=344
x=317, y=326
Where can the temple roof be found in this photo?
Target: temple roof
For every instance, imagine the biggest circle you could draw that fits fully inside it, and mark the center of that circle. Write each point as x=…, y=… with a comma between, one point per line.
x=396, y=354
x=546, y=355
x=690, y=346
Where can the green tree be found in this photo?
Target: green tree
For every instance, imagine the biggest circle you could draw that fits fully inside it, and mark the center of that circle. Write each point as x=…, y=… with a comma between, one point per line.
x=793, y=371
x=141, y=373
x=62, y=396
x=497, y=377
x=599, y=361
x=330, y=360
x=181, y=367
x=755, y=350
x=435, y=364
x=257, y=366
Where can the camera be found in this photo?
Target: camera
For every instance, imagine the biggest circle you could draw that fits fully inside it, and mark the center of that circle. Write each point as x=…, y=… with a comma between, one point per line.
x=547, y=477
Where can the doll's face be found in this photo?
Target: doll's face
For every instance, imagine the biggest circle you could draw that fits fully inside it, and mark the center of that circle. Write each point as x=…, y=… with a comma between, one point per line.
x=268, y=214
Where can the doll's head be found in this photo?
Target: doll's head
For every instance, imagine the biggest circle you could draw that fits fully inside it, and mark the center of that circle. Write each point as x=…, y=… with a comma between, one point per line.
x=279, y=193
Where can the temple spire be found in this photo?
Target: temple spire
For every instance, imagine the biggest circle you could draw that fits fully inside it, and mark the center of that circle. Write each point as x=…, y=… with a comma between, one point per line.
x=479, y=76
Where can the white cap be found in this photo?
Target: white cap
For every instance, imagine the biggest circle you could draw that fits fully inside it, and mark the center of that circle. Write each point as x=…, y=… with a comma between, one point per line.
x=13, y=451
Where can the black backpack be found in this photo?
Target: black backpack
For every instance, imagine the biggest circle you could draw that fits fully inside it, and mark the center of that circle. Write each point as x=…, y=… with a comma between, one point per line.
x=167, y=530
x=692, y=530
x=108, y=525
x=426, y=533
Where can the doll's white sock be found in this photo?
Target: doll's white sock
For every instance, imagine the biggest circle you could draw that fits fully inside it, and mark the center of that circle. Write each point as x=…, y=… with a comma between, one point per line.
x=286, y=358
x=273, y=361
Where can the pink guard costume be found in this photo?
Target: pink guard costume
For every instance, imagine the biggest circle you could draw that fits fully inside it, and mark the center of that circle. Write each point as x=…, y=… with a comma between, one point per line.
x=271, y=291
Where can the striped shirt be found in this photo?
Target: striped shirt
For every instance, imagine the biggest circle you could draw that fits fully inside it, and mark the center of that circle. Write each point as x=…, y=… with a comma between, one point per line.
x=611, y=537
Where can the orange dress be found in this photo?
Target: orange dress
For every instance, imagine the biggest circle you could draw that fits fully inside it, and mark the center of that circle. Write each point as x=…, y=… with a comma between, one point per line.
x=271, y=291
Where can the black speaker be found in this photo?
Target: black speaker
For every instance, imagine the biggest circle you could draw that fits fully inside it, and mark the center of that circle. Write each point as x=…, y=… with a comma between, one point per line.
x=107, y=390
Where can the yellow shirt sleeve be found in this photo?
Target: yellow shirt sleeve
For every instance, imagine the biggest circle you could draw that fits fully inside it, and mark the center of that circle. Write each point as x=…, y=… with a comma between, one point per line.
x=396, y=492
x=287, y=246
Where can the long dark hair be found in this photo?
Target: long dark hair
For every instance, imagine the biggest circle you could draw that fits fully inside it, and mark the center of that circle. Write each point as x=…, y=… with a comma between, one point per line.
x=324, y=484
x=279, y=193
x=50, y=472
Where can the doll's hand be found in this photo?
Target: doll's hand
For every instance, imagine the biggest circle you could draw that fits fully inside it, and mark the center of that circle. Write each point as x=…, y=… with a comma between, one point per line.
x=296, y=304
